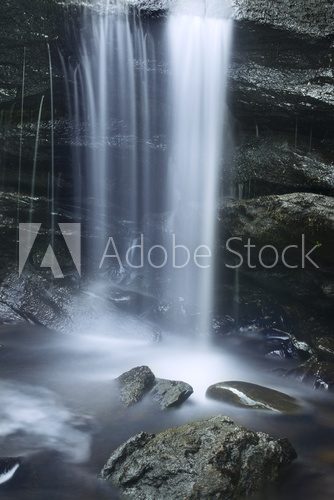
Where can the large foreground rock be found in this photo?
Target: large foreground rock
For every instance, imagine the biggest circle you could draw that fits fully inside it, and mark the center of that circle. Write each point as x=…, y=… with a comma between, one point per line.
x=246, y=395
x=208, y=459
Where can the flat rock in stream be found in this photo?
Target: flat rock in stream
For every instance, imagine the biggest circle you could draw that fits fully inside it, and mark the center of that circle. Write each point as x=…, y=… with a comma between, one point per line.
x=246, y=395
x=170, y=393
x=134, y=384
x=208, y=459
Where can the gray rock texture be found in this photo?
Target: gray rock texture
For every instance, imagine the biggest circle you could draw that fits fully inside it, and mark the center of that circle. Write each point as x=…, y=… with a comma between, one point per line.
x=282, y=81
x=295, y=15
x=269, y=166
x=283, y=220
x=304, y=293
x=246, y=395
x=170, y=393
x=134, y=384
x=282, y=89
x=28, y=25
x=208, y=459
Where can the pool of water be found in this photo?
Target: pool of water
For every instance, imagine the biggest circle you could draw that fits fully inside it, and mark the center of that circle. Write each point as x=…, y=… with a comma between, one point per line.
x=59, y=410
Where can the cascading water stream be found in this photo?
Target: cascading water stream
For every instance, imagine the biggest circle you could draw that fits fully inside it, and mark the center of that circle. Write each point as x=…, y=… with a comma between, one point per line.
x=154, y=129
x=111, y=86
x=199, y=55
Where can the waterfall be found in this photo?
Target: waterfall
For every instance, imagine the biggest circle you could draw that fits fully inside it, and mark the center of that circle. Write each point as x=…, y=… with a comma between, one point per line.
x=199, y=54
x=111, y=103
x=148, y=110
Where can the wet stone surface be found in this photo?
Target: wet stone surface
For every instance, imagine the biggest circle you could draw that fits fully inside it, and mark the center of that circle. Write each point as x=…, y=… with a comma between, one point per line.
x=208, y=459
x=252, y=396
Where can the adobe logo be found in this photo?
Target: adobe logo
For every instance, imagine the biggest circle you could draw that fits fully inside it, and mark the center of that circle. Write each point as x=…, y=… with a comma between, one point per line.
x=71, y=233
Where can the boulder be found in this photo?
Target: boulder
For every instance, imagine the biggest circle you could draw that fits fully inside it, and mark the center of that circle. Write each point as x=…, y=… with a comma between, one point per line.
x=246, y=395
x=134, y=384
x=208, y=459
x=170, y=393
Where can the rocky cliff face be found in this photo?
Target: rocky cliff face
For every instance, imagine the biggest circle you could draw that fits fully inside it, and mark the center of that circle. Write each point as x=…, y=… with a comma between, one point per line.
x=28, y=26
x=281, y=123
x=309, y=17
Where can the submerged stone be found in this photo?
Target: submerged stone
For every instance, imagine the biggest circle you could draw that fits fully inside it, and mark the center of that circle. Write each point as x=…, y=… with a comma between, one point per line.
x=170, y=393
x=208, y=459
x=246, y=395
x=134, y=384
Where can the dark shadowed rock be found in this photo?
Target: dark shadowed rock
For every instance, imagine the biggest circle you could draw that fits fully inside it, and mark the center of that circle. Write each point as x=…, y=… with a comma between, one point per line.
x=208, y=459
x=171, y=393
x=325, y=348
x=319, y=374
x=246, y=395
x=304, y=16
x=28, y=25
x=265, y=165
x=134, y=384
x=268, y=221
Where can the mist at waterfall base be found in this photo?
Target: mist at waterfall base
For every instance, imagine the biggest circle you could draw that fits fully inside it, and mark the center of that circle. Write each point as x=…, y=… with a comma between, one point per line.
x=147, y=106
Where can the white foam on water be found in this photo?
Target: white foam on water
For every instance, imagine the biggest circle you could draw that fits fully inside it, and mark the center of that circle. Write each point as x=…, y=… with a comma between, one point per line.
x=7, y=476
x=44, y=421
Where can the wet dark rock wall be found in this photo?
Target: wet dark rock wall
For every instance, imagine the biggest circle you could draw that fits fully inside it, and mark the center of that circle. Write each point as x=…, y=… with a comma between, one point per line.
x=29, y=29
x=310, y=17
x=281, y=131
x=280, y=172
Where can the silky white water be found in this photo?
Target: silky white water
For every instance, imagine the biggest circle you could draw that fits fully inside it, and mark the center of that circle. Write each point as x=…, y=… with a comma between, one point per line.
x=153, y=131
x=199, y=49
